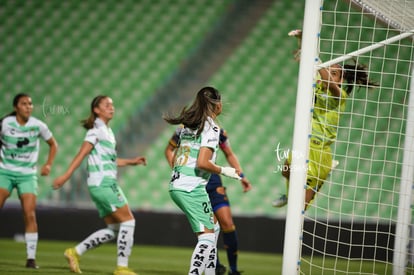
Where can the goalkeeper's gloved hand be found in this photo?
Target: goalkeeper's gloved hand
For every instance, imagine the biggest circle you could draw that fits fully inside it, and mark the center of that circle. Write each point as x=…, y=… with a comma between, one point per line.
x=230, y=172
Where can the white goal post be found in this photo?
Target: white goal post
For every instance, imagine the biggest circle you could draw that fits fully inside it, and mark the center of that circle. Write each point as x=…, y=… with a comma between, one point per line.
x=379, y=33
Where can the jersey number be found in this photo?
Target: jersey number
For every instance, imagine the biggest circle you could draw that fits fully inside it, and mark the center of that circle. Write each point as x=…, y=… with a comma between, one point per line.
x=206, y=207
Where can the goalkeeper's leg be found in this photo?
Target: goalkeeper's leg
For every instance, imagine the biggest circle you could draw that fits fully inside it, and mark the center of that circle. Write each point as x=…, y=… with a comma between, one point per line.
x=283, y=199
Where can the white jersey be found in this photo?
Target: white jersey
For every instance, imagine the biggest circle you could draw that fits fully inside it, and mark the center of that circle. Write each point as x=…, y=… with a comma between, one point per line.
x=186, y=176
x=102, y=159
x=20, y=144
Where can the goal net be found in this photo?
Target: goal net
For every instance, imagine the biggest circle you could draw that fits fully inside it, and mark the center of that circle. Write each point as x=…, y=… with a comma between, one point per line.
x=360, y=221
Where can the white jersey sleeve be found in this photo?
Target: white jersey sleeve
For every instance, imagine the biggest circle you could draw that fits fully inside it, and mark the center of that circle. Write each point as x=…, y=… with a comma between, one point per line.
x=44, y=131
x=210, y=135
x=92, y=136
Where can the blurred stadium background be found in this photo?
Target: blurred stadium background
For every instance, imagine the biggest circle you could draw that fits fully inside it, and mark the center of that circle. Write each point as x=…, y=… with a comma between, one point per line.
x=151, y=57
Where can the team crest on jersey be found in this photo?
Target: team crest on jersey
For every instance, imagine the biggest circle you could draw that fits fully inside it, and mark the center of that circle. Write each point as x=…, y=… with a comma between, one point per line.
x=33, y=133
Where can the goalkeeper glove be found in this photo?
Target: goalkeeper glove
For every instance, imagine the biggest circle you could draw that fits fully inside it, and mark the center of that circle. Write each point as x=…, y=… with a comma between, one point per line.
x=230, y=172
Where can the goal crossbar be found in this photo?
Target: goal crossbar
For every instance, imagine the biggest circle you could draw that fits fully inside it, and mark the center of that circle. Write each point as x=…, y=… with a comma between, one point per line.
x=366, y=49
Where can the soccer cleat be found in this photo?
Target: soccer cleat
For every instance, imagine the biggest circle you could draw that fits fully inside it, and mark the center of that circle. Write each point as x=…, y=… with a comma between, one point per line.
x=235, y=272
x=73, y=260
x=31, y=263
x=282, y=201
x=220, y=269
x=122, y=270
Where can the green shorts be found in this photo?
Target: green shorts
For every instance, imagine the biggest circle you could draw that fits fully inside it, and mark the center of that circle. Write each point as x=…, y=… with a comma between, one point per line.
x=196, y=206
x=108, y=197
x=24, y=183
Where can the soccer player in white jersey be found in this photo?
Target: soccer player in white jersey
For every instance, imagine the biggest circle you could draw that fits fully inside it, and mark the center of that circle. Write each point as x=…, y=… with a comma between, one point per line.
x=99, y=145
x=20, y=134
x=219, y=200
x=194, y=162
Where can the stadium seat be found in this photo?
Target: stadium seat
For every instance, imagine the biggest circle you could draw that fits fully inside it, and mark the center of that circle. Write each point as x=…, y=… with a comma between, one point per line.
x=66, y=52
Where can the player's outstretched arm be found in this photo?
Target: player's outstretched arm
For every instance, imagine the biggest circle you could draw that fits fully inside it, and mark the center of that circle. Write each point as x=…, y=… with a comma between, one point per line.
x=204, y=162
x=233, y=160
x=131, y=161
x=298, y=34
x=85, y=149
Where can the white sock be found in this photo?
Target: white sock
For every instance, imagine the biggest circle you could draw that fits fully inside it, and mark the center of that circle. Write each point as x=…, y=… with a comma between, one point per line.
x=31, y=244
x=216, y=231
x=125, y=242
x=204, y=255
x=96, y=239
x=212, y=261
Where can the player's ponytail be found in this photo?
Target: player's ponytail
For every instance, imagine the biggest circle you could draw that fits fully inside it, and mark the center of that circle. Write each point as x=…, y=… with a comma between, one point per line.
x=196, y=114
x=90, y=120
x=356, y=75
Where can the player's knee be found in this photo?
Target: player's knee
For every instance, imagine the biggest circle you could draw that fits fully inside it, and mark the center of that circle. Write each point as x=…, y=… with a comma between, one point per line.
x=30, y=216
x=113, y=229
x=310, y=194
x=286, y=171
x=4, y=194
x=228, y=228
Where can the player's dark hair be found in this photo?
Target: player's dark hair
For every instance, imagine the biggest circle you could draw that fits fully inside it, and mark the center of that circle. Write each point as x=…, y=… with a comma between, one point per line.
x=194, y=116
x=16, y=100
x=90, y=120
x=356, y=75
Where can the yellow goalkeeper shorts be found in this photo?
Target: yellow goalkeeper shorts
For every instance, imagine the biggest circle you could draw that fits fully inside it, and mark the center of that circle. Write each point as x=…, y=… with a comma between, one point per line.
x=319, y=166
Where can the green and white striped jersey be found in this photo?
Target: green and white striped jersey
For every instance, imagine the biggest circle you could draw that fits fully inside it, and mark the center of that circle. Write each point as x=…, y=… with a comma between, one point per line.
x=186, y=176
x=20, y=144
x=102, y=159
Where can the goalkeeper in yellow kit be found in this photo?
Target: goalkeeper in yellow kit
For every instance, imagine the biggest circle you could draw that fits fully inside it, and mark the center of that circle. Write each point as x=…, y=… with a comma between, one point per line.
x=333, y=86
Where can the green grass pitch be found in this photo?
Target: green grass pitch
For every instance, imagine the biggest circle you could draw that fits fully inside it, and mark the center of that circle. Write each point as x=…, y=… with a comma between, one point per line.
x=145, y=260
x=163, y=260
